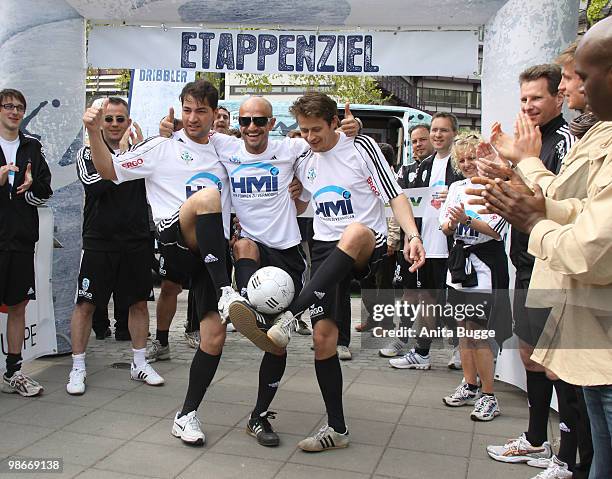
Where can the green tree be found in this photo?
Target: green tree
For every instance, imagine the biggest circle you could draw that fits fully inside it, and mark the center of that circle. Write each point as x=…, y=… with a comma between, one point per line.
x=594, y=11
x=355, y=89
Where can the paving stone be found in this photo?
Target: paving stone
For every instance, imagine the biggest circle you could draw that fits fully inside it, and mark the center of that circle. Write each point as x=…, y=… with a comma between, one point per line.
x=146, y=402
x=112, y=424
x=238, y=443
x=94, y=397
x=69, y=471
x=421, y=465
x=222, y=466
x=301, y=471
x=479, y=468
x=356, y=457
x=14, y=437
x=83, y=449
x=453, y=443
x=47, y=414
x=151, y=460
x=395, y=395
x=100, y=474
x=453, y=419
x=374, y=410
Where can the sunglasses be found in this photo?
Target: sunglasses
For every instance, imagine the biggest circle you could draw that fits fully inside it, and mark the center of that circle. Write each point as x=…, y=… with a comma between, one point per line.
x=118, y=119
x=258, y=120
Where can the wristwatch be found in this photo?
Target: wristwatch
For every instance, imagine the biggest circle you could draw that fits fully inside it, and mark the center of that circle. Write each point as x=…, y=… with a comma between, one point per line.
x=468, y=222
x=411, y=236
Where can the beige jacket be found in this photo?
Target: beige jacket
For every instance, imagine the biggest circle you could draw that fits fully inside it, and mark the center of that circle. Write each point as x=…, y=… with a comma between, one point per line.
x=573, y=271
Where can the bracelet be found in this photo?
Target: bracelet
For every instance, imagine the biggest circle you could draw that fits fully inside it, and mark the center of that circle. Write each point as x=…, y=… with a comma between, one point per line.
x=411, y=236
x=468, y=222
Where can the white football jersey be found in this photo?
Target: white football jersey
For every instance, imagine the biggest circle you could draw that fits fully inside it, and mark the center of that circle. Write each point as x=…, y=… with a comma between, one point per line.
x=347, y=184
x=259, y=188
x=174, y=169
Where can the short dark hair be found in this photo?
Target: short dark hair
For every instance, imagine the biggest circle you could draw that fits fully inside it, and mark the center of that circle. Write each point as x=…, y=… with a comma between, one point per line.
x=388, y=152
x=220, y=107
x=201, y=91
x=550, y=71
x=12, y=93
x=449, y=116
x=315, y=104
x=418, y=126
x=115, y=100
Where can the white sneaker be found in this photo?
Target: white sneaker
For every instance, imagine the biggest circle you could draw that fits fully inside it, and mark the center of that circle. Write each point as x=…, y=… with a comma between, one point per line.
x=192, y=339
x=344, y=353
x=462, y=396
x=519, y=450
x=412, y=360
x=485, y=409
x=280, y=332
x=325, y=439
x=188, y=429
x=21, y=384
x=230, y=328
x=146, y=374
x=228, y=296
x=556, y=470
x=455, y=360
x=76, y=382
x=394, y=348
x=157, y=352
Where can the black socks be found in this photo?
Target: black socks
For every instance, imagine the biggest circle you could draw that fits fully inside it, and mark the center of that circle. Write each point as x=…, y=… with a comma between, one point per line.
x=162, y=337
x=539, y=394
x=270, y=374
x=212, y=245
x=13, y=364
x=201, y=374
x=335, y=268
x=329, y=376
x=567, y=423
x=244, y=269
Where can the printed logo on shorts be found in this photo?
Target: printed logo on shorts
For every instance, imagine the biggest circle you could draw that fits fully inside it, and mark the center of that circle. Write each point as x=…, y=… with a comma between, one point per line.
x=319, y=294
x=84, y=287
x=30, y=291
x=162, y=271
x=316, y=311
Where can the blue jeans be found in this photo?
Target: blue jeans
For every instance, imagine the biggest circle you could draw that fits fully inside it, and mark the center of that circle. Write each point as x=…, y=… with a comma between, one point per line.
x=599, y=405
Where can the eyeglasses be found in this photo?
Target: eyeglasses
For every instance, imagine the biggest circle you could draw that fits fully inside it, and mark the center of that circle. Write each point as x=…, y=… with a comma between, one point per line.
x=118, y=119
x=258, y=120
x=11, y=107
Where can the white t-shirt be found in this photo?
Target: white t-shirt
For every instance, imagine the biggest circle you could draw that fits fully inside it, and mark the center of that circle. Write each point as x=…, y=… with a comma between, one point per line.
x=347, y=184
x=9, y=148
x=173, y=169
x=457, y=195
x=259, y=187
x=434, y=241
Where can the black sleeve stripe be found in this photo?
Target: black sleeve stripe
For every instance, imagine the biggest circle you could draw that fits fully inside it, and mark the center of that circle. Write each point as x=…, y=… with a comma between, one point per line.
x=33, y=200
x=303, y=157
x=388, y=183
x=499, y=226
x=134, y=153
x=85, y=177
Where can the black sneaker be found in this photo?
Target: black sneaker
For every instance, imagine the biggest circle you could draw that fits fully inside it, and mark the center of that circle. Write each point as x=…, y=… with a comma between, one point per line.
x=261, y=429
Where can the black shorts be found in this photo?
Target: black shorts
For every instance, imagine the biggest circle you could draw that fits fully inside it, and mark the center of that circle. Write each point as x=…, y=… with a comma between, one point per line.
x=17, y=279
x=177, y=263
x=331, y=306
x=527, y=323
x=291, y=260
x=480, y=303
x=125, y=274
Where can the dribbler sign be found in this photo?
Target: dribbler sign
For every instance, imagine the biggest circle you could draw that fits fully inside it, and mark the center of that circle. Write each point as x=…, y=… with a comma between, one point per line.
x=449, y=53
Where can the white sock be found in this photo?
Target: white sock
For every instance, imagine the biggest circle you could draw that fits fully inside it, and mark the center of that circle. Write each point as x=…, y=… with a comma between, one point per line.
x=78, y=361
x=140, y=357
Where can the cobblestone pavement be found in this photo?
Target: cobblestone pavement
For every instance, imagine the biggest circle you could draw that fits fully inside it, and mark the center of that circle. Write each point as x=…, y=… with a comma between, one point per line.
x=121, y=429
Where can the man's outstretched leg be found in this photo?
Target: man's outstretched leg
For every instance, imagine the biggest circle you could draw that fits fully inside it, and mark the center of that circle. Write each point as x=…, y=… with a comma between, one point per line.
x=352, y=252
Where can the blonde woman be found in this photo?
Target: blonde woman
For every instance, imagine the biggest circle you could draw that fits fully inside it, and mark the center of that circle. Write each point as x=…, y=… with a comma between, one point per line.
x=477, y=265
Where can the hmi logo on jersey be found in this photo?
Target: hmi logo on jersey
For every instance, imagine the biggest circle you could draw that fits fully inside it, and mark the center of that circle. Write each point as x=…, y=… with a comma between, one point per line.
x=201, y=180
x=254, y=184
x=336, y=203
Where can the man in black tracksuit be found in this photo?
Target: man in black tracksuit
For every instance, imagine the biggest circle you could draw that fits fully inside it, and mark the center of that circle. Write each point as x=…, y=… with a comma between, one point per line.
x=25, y=184
x=117, y=255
